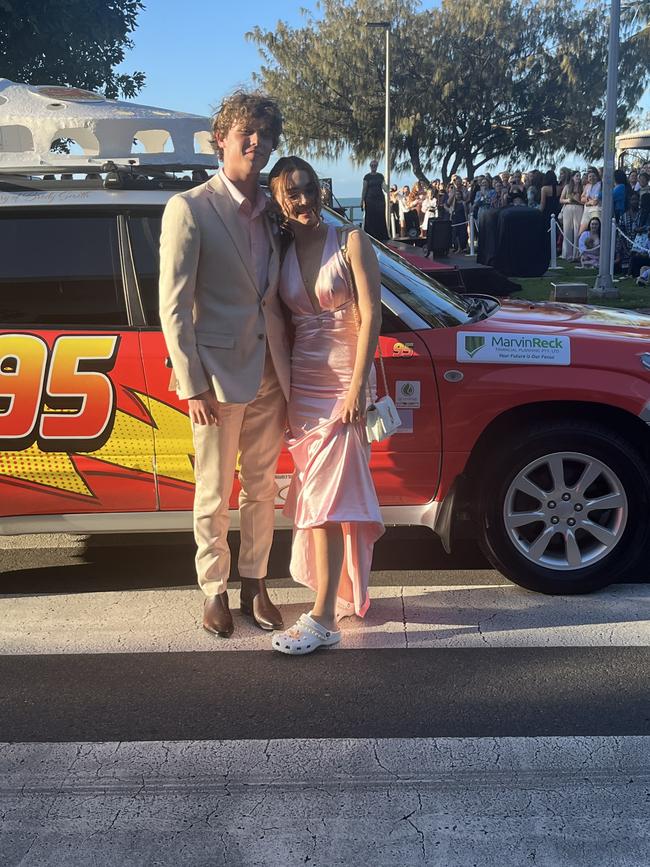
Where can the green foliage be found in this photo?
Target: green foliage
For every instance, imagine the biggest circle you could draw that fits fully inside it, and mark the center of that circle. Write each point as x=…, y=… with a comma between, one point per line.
x=73, y=42
x=471, y=82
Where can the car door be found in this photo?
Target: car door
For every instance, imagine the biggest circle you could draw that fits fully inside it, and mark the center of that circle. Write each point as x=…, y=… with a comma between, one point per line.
x=75, y=435
x=405, y=467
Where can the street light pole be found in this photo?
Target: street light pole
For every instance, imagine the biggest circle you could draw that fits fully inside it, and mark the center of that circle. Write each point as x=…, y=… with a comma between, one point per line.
x=604, y=286
x=385, y=25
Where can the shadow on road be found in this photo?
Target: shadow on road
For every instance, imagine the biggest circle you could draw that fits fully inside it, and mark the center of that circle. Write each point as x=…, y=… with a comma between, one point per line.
x=108, y=563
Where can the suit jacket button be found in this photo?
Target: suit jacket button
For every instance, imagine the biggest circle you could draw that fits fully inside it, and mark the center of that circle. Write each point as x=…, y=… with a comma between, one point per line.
x=260, y=337
x=263, y=303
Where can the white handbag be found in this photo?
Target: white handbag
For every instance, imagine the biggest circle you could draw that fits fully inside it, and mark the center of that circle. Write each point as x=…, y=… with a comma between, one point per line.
x=381, y=419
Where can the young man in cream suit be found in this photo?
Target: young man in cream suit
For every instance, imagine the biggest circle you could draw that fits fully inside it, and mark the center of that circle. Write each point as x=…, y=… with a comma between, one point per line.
x=225, y=333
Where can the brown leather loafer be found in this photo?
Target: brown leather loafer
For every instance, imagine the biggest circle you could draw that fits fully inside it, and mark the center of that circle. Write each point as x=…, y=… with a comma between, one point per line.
x=255, y=603
x=216, y=615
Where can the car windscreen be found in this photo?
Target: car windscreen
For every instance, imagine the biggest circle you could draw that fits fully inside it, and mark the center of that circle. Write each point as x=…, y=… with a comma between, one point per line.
x=435, y=304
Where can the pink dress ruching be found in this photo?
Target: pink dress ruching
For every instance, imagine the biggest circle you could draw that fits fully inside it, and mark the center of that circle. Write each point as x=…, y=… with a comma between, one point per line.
x=331, y=481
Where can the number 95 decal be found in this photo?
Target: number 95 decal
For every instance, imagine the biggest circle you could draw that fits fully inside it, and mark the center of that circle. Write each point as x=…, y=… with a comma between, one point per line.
x=61, y=398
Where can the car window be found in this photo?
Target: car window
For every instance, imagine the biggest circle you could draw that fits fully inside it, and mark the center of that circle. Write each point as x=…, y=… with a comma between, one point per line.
x=145, y=238
x=60, y=269
x=144, y=231
x=435, y=304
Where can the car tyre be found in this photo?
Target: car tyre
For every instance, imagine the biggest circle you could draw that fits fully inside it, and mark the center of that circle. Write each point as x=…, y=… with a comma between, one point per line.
x=577, y=468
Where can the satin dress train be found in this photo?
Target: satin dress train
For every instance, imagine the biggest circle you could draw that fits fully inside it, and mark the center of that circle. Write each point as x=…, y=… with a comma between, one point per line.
x=332, y=481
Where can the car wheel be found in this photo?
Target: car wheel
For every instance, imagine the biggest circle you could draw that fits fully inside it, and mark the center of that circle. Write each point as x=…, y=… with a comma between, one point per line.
x=565, y=510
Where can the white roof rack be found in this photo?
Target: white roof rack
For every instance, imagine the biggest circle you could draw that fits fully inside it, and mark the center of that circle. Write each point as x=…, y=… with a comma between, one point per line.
x=32, y=117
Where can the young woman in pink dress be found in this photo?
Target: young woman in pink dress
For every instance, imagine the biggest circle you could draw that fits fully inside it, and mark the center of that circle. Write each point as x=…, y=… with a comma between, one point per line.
x=330, y=285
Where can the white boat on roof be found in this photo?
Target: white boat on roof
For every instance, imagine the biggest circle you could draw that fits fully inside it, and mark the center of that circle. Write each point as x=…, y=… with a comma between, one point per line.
x=32, y=117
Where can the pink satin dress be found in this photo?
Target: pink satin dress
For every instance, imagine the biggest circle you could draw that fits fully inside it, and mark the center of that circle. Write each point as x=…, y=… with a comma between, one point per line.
x=331, y=481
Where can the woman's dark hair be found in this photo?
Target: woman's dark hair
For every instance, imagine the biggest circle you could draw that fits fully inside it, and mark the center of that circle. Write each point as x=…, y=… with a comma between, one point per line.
x=550, y=178
x=597, y=220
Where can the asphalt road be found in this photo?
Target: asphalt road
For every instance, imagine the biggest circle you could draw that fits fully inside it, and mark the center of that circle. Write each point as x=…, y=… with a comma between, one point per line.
x=465, y=722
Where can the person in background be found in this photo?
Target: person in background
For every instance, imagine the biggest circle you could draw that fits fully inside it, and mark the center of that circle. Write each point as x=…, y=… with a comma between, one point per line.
x=572, y=208
x=373, y=203
x=456, y=207
x=592, y=194
x=485, y=198
x=621, y=194
x=413, y=211
x=629, y=226
x=394, y=211
x=403, y=199
x=497, y=186
x=563, y=177
x=516, y=182
x=640, y=252
x=633, y=178
x=644, y=198
x=533, y=188
x=429, y=210
x=549, y=202
x=589, y=244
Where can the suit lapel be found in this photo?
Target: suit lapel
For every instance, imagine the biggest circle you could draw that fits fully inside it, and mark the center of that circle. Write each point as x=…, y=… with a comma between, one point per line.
x=274, y=260
x=223, y=204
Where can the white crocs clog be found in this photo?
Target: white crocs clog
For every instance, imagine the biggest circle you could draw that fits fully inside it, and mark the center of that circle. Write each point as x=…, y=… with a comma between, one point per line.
x=344, y=609
x=305, y=636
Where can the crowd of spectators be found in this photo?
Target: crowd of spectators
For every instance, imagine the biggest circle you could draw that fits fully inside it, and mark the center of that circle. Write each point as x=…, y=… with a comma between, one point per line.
x=573, y=196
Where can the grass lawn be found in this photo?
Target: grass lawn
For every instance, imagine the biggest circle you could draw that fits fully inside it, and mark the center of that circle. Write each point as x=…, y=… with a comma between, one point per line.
x=633, y=297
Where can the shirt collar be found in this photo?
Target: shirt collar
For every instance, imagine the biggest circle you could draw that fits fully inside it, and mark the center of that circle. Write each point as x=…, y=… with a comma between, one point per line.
x=241, y=202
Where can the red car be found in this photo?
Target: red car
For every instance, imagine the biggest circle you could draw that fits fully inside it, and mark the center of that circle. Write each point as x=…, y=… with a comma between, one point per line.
x=524, y=425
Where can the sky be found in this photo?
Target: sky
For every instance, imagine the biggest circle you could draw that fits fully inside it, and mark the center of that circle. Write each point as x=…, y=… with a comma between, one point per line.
x=194, y=53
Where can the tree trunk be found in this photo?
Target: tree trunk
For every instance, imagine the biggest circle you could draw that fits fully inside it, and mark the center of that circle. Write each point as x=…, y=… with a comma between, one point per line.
x=414, y=154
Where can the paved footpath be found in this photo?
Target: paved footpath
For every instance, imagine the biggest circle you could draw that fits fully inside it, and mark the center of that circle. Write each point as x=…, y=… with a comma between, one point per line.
x=460, y=724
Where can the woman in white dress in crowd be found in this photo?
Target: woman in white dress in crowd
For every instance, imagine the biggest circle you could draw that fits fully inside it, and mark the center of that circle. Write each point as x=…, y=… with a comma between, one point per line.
x=572, y=208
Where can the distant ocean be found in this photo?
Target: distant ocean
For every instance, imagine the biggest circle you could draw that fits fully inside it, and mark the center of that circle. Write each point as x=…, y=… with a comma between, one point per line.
x=348, y=203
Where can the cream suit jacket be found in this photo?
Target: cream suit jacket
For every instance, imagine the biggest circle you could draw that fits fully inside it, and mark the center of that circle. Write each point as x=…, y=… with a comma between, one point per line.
x=215, y=318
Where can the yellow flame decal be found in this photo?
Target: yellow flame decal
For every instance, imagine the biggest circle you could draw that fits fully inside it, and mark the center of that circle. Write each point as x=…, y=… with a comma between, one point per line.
x=130, y=447
x=52, y=469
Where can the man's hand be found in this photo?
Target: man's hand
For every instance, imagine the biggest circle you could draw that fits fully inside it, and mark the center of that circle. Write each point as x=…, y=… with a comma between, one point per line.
x=204, y=408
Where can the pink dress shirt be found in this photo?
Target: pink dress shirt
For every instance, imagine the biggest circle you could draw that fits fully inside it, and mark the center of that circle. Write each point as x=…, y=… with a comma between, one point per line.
x=251, y=217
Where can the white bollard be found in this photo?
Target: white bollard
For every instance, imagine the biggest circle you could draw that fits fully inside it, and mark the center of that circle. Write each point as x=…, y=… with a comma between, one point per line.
x=554, y=265
x=472, y=236
x=612, y=249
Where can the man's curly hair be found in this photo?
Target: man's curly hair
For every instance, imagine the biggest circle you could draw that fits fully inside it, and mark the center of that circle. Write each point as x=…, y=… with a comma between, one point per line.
x=250, y=109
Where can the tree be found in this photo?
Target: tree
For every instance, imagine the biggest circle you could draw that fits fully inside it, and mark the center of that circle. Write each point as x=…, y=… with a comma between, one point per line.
x=73, y=42
x=471, y=83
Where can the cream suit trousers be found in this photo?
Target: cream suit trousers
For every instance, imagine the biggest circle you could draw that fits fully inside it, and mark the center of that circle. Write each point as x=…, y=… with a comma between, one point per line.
x=255, y=430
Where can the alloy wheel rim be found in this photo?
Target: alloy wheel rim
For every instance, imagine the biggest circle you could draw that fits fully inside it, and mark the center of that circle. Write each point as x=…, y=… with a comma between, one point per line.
x=565, y=511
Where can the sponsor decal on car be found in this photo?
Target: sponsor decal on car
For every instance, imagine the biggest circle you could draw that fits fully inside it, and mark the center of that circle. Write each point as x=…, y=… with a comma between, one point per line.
x=407, y=394
x=501, y=348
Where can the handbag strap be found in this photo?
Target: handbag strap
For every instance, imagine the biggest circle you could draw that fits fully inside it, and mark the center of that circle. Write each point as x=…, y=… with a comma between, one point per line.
x=344, y=233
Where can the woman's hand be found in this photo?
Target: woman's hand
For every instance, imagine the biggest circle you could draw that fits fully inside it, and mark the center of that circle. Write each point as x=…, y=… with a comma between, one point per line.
x=354, y=405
